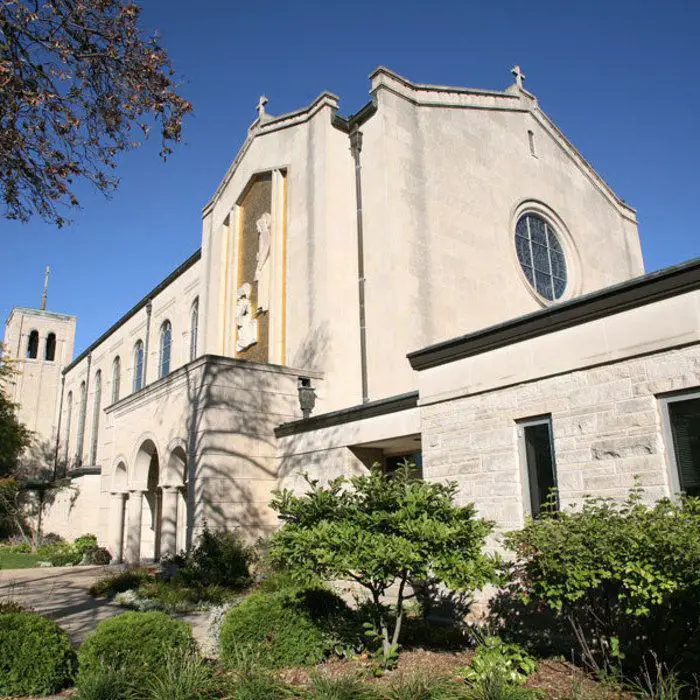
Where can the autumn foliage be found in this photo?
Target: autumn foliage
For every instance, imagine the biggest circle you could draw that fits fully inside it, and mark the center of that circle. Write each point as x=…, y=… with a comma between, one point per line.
x=79, y=84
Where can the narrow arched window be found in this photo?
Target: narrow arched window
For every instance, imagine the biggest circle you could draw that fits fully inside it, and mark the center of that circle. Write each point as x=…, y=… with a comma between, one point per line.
x=50, y=353
x=138, y=365
x=69, y=410
x=96, y=410
x=166, y=339
x=81, y=425
x=194, y=323
x=116, y=378
x=33, y=345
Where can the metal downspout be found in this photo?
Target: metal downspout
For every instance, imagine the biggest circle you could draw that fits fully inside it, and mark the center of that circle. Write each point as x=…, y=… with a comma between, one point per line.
x=355, y=149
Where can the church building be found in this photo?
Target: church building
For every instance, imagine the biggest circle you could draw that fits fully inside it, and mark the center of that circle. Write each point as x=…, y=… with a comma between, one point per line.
x=440, y=277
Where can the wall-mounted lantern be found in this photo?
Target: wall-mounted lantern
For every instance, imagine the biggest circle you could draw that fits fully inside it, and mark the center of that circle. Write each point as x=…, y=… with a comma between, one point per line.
x=307, y=396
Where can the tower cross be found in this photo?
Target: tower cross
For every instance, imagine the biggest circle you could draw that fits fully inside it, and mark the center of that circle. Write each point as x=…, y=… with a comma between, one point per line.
x=45, y=293
x=261, y=105
x=519, y=76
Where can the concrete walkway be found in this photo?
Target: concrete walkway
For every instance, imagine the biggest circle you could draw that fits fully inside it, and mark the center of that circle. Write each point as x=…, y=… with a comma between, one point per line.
x=61, y=593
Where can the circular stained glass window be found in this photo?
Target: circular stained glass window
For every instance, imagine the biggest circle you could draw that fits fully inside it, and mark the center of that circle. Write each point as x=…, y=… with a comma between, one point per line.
x=541, y=256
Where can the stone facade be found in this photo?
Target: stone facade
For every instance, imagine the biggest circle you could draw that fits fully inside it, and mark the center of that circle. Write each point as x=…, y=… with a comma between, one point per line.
x=186, y=409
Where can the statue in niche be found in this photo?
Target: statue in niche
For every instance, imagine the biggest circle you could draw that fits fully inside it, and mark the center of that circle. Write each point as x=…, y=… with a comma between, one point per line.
x=246, y=324
x=262, y=267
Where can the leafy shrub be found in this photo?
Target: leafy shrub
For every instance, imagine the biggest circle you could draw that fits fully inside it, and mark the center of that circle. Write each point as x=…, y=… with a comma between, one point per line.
x=21, y=548
x=37, y=657
x=83, y=543
x=96, y=556
x=219, y=559
x=109, y=586
x=137, y=641
x=79, y=552
x=626, y=577
x=288, y=628
x=495, y=657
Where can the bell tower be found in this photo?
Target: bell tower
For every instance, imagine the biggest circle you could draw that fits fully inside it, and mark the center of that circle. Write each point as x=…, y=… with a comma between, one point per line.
x=40, y=344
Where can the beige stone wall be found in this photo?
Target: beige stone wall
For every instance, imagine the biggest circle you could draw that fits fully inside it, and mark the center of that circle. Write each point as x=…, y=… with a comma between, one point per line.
x=329, y=452
x=606, y=424
x=74, y=510
x=601, y=382
x=221, y=412
x=174, y=303
x=445, y=175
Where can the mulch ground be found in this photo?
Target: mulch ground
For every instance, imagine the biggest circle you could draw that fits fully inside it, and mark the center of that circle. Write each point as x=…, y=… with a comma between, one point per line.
x=560, y=680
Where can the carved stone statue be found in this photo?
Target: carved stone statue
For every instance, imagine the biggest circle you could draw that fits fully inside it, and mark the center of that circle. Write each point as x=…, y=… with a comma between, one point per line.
x=262, y=268
x=246, y=323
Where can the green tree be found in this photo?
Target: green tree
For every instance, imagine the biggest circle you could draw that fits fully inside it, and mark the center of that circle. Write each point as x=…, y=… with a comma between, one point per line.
x=79, y=82
x=14, y=438
x=381, y=531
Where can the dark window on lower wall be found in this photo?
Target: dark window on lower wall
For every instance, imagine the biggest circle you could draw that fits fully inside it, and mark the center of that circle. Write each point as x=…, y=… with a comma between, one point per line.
x=393, y=462
x=537, y=450
x=684, y=417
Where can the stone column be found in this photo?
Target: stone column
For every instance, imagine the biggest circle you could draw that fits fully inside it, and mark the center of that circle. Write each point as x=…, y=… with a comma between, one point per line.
x=168, y=527
x=116, y=526
x=132, y=544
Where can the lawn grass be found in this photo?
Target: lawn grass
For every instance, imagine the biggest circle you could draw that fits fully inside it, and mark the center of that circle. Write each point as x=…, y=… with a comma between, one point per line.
x=15, y=560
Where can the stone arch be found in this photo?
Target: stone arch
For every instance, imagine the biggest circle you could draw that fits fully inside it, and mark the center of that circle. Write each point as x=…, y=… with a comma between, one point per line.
x=120, y=476
x=174, y=518
x=175, y=469
x=145, y=452
x=146, y=487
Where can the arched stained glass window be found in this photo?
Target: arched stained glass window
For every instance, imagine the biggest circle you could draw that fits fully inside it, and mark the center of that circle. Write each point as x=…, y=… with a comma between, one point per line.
x=194, y=324
x=50, y=353
x=138, y=365
x=33, y=345
x=166, y=339
x=116, y=378
x=541, y=256
x=96, y=410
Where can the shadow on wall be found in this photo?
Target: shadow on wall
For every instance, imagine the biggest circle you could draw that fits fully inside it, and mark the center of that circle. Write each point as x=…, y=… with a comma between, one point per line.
x=226, y=459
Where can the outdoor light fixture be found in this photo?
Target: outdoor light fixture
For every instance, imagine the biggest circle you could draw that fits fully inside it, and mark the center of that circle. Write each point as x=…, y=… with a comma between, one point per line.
x=307, y=396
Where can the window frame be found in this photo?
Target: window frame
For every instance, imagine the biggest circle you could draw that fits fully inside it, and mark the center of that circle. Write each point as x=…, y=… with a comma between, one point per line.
x=521, y=425
x=116, y=378
x=28, y=355
x=137, y=365
x=674, y=480
x=163, y=370
x=194, y=328
x=552, y=237
x=50, y=344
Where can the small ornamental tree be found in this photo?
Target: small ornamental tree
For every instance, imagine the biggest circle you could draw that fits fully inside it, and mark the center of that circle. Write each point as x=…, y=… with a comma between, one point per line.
x=380, y=530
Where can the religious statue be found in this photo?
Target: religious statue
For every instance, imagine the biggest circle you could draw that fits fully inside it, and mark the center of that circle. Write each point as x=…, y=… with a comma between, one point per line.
x=262, y=268
x=246, y=324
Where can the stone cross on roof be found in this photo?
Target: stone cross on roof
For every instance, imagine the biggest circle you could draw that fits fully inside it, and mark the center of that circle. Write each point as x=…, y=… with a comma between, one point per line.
x=519, y=76
x=261, y=106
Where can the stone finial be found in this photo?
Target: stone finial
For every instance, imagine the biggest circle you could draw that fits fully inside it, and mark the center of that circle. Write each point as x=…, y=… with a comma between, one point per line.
x=261, y=106
x=519, y=76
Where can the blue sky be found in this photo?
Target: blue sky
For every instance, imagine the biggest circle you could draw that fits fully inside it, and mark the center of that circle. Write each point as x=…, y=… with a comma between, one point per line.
x=619, y=78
